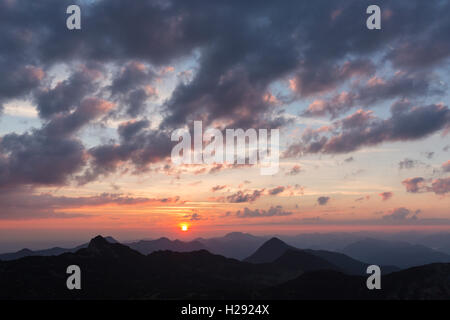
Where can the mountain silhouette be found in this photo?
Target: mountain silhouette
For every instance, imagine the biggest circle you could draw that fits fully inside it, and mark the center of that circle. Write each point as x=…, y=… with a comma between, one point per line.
x=55, y=251
x=348, y=264
x=274, y=249
x=437, y=241
x=320, y=285
x=401, y=254
x=237, y=245
x=269, y=251
x=149, y=246
x=19, y=254
x=115, y=271
x=429, y=282
x=301, y=260
x=100, y=247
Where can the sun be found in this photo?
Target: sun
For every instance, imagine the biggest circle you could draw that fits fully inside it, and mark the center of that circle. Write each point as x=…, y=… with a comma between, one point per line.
x=184, y=227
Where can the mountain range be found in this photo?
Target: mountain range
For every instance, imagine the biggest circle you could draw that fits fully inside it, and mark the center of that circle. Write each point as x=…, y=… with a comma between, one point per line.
x=276, y=270
x=55, y=251
x=237, y=245
x=401, y=254
x=275, y=249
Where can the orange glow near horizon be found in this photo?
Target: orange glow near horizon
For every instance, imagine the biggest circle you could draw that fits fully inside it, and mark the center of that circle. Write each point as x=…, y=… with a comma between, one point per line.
x=184, y=227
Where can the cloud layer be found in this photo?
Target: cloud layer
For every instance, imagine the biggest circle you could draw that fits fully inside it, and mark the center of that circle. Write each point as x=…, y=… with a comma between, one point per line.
x=246, y=61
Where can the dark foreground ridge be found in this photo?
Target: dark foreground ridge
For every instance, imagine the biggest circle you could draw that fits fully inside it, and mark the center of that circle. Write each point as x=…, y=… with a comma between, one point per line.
x=115, y=271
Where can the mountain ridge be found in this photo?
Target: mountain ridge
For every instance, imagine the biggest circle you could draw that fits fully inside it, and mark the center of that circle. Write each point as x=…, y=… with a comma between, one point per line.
x=115, y=271
x=399, y=253
x=275, y=248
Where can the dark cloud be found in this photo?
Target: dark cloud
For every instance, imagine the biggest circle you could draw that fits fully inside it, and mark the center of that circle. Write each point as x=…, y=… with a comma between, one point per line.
x=434, y=48
x=193, y=217
x=18, y=80
x=414, y=185
x=328, y=76
x=269, y=39
x=137, y=144
x=407, y=164
x=429, y=154
x=67, y=94
x=130, y=129
x=362, y=198
x=38, y=159
x=257, y=213
x=24, y=203
x=68, y=124
x=276, y=190
x=240, y=49
x=386, y=195
x=401, y=85
x=217, y=188
x=229, y=97
x=241, y=196
x=134, y=74
x=401, y=215
x=363, y=129
x=218, y=167
x=295, y=170
x=136, y=100
x=132, y=87
x=439, y=186
x=323, y=200
x=354, y=173
x=50, y=155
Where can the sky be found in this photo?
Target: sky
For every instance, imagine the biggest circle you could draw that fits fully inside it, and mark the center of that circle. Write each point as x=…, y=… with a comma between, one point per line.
x=86, y=117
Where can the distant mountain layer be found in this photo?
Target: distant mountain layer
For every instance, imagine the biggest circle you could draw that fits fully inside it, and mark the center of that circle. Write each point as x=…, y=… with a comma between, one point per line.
x=401, y=254
x=115, y=271
x=269, y=251
x=143, y=246
x=46, y=252
x=351, y=259
x=437, y=241
x=149, y=246
x=274, y=249
x=235, y=245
